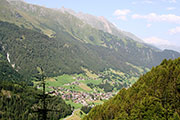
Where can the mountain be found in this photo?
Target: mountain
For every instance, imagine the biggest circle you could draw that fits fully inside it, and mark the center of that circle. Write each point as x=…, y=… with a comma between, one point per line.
x=171, y=47
x=103, y=24
x=155, y=95
x=69, y=49
x=61, y=43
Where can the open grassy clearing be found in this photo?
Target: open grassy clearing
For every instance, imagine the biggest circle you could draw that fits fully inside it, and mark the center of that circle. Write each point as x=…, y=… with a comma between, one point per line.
x=75, y=105
x=85, y=87
x=50, y=79
x=60, y=80
x=96, y=82
x=89, y=73
x=75, y=88
x=97, y=102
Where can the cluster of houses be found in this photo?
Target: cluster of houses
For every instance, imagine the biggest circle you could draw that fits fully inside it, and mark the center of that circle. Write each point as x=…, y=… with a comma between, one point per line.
x=73, y=83
x=84, y=78
x=78, y=96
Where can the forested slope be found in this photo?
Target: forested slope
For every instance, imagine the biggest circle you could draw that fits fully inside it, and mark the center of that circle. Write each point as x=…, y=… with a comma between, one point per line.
x=18, y=100
x=156, y=95
x=29, y=49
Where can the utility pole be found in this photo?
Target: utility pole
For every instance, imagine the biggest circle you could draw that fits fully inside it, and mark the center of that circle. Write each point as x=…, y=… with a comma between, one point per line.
x=43, y=111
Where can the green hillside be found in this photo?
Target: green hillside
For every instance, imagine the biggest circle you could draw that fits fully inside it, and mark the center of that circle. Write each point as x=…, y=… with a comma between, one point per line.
x=7, y=73
x=28, y=49
x=18, y=100
x=87, y=61
x=155, y=95
x=34, y=36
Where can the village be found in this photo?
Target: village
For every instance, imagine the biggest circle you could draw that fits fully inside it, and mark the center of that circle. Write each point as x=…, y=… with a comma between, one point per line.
x=80, y=97
x=91, y=97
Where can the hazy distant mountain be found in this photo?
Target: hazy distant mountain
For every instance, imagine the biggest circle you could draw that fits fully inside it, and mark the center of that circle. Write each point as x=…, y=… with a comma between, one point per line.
x=171, y=47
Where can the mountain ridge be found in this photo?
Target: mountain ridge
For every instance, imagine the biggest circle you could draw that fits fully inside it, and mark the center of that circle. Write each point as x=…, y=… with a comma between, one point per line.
x=102, y=23
x=72, y=44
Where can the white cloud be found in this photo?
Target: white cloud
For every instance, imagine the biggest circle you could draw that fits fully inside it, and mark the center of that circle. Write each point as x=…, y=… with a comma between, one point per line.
x=172, y=1
x=122, y=18
x=149, y=25
x=143, y=2
x=153, y=17
x=121, y=12
x=148, y=1
x=174, y=30
x=156, y=41
x=170, y=8
x=134, y=3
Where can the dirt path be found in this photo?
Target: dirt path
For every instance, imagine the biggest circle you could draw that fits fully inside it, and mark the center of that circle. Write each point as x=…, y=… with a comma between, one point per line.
x=73, y=116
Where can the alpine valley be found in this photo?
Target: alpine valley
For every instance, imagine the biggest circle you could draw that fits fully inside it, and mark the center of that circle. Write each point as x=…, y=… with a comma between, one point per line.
x=86, y=61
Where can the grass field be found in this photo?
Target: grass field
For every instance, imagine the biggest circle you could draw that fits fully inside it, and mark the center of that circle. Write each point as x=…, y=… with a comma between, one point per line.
x=85, y=87
x=65, y=79
x=98, y=102
x=118, y=73
x=85, y=79
x=50, y=79
x=75, y=105
x=89, y=73
x=60, y=80
x=75, y=88
x=96, y=82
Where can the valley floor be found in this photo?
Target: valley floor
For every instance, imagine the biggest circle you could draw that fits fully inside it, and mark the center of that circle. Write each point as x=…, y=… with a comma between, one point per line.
x=87, y=89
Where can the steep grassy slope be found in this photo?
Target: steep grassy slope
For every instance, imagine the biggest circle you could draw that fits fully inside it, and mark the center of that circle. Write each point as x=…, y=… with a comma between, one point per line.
x=155, y=95
x=102, y=24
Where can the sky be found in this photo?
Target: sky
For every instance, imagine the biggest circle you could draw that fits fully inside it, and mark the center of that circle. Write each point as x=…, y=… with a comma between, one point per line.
x=154, y=21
